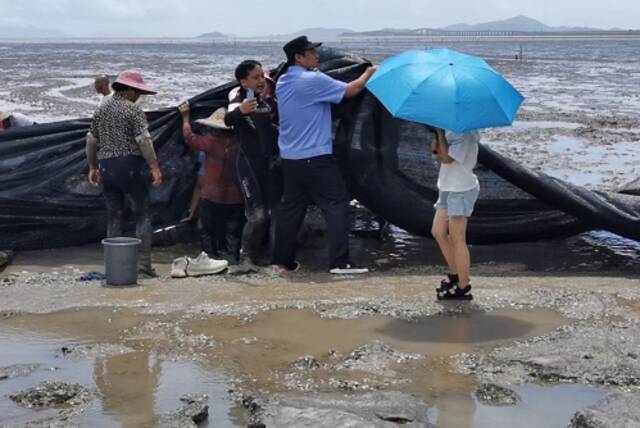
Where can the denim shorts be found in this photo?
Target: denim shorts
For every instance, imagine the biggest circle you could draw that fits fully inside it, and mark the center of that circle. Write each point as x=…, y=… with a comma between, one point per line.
x=457, y=204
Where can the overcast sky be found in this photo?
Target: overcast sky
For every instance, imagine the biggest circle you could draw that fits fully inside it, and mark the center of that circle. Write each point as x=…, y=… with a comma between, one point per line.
x=173, y=18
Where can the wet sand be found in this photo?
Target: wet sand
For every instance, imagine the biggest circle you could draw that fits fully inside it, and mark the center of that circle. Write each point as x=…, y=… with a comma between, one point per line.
x=261, y=346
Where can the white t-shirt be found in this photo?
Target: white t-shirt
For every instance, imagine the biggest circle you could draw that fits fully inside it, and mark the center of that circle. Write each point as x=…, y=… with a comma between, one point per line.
x=458, y=175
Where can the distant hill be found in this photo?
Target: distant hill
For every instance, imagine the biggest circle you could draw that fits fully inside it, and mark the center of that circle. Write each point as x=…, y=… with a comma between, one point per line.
x=518, y=23
x=212, y=35
x=13, y=32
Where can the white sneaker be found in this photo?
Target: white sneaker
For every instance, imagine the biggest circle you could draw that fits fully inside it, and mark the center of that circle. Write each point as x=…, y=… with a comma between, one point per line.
x=203, y=265
x=179, y=267
x=348, y=269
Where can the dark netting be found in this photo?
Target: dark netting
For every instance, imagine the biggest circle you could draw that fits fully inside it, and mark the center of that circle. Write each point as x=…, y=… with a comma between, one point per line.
x=45, y=200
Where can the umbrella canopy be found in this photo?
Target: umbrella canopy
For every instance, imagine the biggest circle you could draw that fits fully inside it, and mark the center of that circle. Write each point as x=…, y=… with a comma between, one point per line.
x=445, y=88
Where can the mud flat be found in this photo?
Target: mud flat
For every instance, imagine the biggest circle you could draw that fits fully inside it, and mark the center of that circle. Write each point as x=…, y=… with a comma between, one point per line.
x=550, y=342
x=551, y=338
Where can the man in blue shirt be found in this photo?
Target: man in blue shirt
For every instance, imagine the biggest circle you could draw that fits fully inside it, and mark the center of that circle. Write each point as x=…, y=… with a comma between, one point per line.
x=305, y=96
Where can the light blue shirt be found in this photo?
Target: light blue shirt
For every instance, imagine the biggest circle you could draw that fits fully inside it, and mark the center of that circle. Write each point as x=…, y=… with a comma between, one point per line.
x=304, y=105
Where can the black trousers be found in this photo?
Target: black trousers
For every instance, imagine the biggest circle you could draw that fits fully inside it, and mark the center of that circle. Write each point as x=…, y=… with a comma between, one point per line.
x=221, y=228
x=320, y=181
x=253, y=176
x=123, y=181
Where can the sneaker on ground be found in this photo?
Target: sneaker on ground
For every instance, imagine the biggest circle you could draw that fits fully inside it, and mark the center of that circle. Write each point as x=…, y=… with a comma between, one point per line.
x=203, y=265
x=348, y=269
x=179, y=267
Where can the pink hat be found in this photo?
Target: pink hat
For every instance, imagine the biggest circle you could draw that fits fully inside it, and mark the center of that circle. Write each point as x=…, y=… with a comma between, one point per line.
x=133, y=79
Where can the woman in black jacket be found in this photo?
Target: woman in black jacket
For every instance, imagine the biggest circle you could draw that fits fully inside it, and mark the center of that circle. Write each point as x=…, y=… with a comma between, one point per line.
x=251, y=114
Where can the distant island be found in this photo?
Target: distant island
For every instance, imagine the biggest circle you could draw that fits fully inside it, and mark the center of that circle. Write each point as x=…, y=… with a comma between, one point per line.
x=517, y=24
x=317, y=33
x=212, y=36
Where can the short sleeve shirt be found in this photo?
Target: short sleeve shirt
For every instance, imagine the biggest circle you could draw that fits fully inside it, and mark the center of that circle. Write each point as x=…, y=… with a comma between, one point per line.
x=458, y=175
x=304, y=106
x=116, y=125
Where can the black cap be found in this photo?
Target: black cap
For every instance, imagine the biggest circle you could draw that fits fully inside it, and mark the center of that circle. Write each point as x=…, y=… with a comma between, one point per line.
x=298, y=46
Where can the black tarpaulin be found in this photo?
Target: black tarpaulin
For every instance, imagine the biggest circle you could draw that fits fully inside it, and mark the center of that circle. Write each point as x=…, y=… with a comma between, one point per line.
x=46, y=201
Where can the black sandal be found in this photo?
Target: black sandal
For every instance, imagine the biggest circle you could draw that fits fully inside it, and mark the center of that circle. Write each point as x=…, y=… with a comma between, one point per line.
x=448, y=283
x=456, y=293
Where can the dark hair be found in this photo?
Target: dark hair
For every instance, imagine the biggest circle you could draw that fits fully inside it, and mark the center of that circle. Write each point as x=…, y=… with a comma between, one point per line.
x=119, y=87
x=246, y=67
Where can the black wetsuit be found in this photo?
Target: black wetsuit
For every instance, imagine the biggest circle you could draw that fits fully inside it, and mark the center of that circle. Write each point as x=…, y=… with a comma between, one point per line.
x=257, y=138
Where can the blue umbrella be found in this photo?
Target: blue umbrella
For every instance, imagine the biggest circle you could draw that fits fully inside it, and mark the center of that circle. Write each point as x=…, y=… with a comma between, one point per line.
x=447, y=89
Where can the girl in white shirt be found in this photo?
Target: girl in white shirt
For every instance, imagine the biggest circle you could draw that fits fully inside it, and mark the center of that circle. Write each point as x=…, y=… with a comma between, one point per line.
x=458, y=189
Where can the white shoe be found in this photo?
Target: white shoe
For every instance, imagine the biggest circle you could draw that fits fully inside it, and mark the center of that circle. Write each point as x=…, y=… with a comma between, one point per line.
x=348, y=270
x=179, y=267
x=203, y=265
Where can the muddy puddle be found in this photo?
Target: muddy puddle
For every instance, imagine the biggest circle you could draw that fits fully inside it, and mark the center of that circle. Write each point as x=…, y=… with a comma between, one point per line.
x=540, y=407
x=138, y=366
x=132, y=386
x=293, y=333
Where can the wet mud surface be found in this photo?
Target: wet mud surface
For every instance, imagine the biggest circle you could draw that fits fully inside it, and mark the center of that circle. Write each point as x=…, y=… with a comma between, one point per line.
x=580, y=120
x=540, y=342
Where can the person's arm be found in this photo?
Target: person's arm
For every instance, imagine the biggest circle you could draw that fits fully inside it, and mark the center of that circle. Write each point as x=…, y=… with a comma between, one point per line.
x=357, y=86
x=238, y=110
x=195, y=141
x=91, y=149
x=443, y=148
x=145, y=143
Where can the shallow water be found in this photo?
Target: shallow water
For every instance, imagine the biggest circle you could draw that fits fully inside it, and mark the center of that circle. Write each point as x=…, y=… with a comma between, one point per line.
x=574, y=159
x=134, y=388
x=549, y=407
x=591, y=252
x=545, y=124
x=300, y=332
